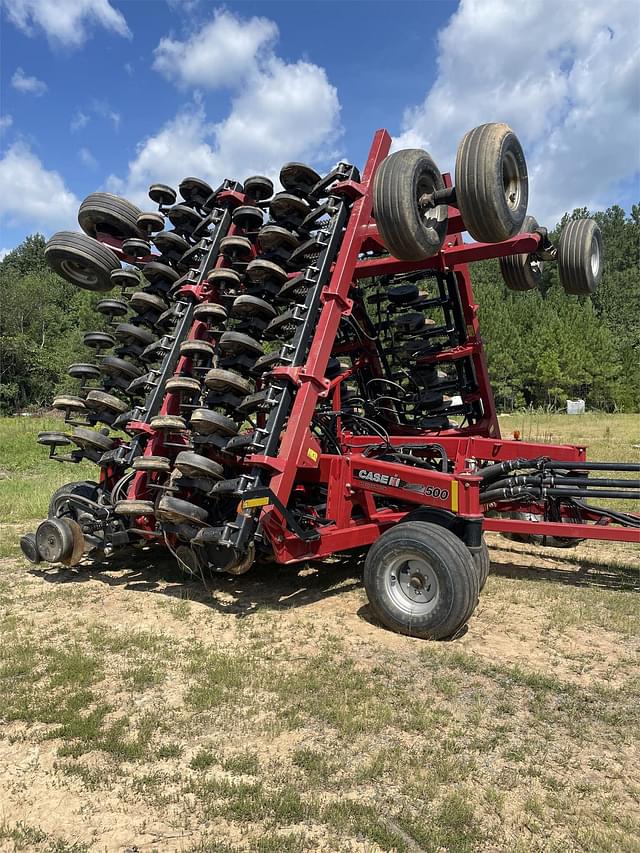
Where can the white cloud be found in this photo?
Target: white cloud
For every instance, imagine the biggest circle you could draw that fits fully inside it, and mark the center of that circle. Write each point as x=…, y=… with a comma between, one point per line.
x=283, y=111
x=28, y=85
x=221, y=53
x=104, y=110
x=5, y=122
x=33, y=195
x=79, y=121
x=4, y=253
x=65, y=22
x=563, y=75
x=87, y=158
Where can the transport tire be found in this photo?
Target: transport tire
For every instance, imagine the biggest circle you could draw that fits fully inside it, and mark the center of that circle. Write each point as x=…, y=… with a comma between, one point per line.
x=522, y=272
x=421, y=580
x=409, y=231
x=492, y=186
x=482, y=563
x=109, y=214
x=580, y=256
x=81, y=260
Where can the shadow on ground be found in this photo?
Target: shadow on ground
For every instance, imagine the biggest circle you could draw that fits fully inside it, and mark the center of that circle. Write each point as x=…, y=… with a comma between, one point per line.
x=274, y=587
x=266, y=586
x=587, y=574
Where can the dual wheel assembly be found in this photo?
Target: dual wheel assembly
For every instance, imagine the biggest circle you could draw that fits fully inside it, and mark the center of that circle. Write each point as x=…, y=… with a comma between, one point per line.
x=238, y=359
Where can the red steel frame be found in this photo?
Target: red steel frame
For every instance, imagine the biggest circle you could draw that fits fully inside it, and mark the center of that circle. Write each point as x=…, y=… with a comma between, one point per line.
x=299, y=461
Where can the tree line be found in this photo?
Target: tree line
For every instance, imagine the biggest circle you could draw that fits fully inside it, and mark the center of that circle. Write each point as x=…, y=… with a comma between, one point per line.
x=543, y=346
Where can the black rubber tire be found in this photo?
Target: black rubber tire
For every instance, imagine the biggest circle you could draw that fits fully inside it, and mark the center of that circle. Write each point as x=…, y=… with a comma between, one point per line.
x=112, y=307
x=234, y=342
x=170, y=244
x=401, y=179
x=261, y=271
x=173, y=423
x=90, y=438
x=159, y=464
x=482, y=563
x=580, y=254
x=518, y=271
x=175, y=509
x=129, y=332
x=125, y=278
x=451, y=566
x=68, y=403
x=273, y=237
x=285, y=206
x=98, y=340
x=251, y=306
x=134, y=247
x=182, y=385
x=210, y=312
x=81, y=260
x=162, y=194
x=194, y=191
x=112, y=365
x=227, y=380
x=198, y=349
x=83, y=371
x=143, y=302
x=248, y=217
x=97, y=400
x=298, y=178
x=195, y=465
x=239, y=248
x=156, y=271
x=492, y=186
x=134, y=508
x=109, y=214
x=150, y=222
x=258, y=188
x=84, y=488
x=206, y=422
x=183, y=218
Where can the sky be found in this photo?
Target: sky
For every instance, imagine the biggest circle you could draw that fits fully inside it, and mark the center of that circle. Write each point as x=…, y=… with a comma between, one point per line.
x=117, y=94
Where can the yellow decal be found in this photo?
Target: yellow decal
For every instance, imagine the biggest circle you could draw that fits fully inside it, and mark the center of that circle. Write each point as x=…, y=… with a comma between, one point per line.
x=312, y=454
x=251, y=502
x=454, y=496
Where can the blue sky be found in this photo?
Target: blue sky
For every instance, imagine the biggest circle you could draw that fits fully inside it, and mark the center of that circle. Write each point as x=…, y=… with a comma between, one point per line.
x=113, y=94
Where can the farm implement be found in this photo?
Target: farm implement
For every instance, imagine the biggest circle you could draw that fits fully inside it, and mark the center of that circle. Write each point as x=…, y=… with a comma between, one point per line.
x=286, y=376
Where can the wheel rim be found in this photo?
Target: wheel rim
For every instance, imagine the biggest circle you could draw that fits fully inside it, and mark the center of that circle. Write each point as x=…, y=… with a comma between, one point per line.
x=511, y=181
x=412, y=584
x=595, y=257
x=79, y=272
x=432, y=217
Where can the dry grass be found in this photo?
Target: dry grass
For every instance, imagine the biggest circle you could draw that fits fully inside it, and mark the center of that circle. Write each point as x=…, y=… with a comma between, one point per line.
x=141, y=711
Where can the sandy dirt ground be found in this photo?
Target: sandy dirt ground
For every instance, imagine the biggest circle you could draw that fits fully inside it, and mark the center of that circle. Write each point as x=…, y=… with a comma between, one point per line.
x=565, y=619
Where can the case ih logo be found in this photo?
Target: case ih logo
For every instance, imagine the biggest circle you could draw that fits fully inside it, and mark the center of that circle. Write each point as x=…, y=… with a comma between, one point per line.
x=375, y=477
